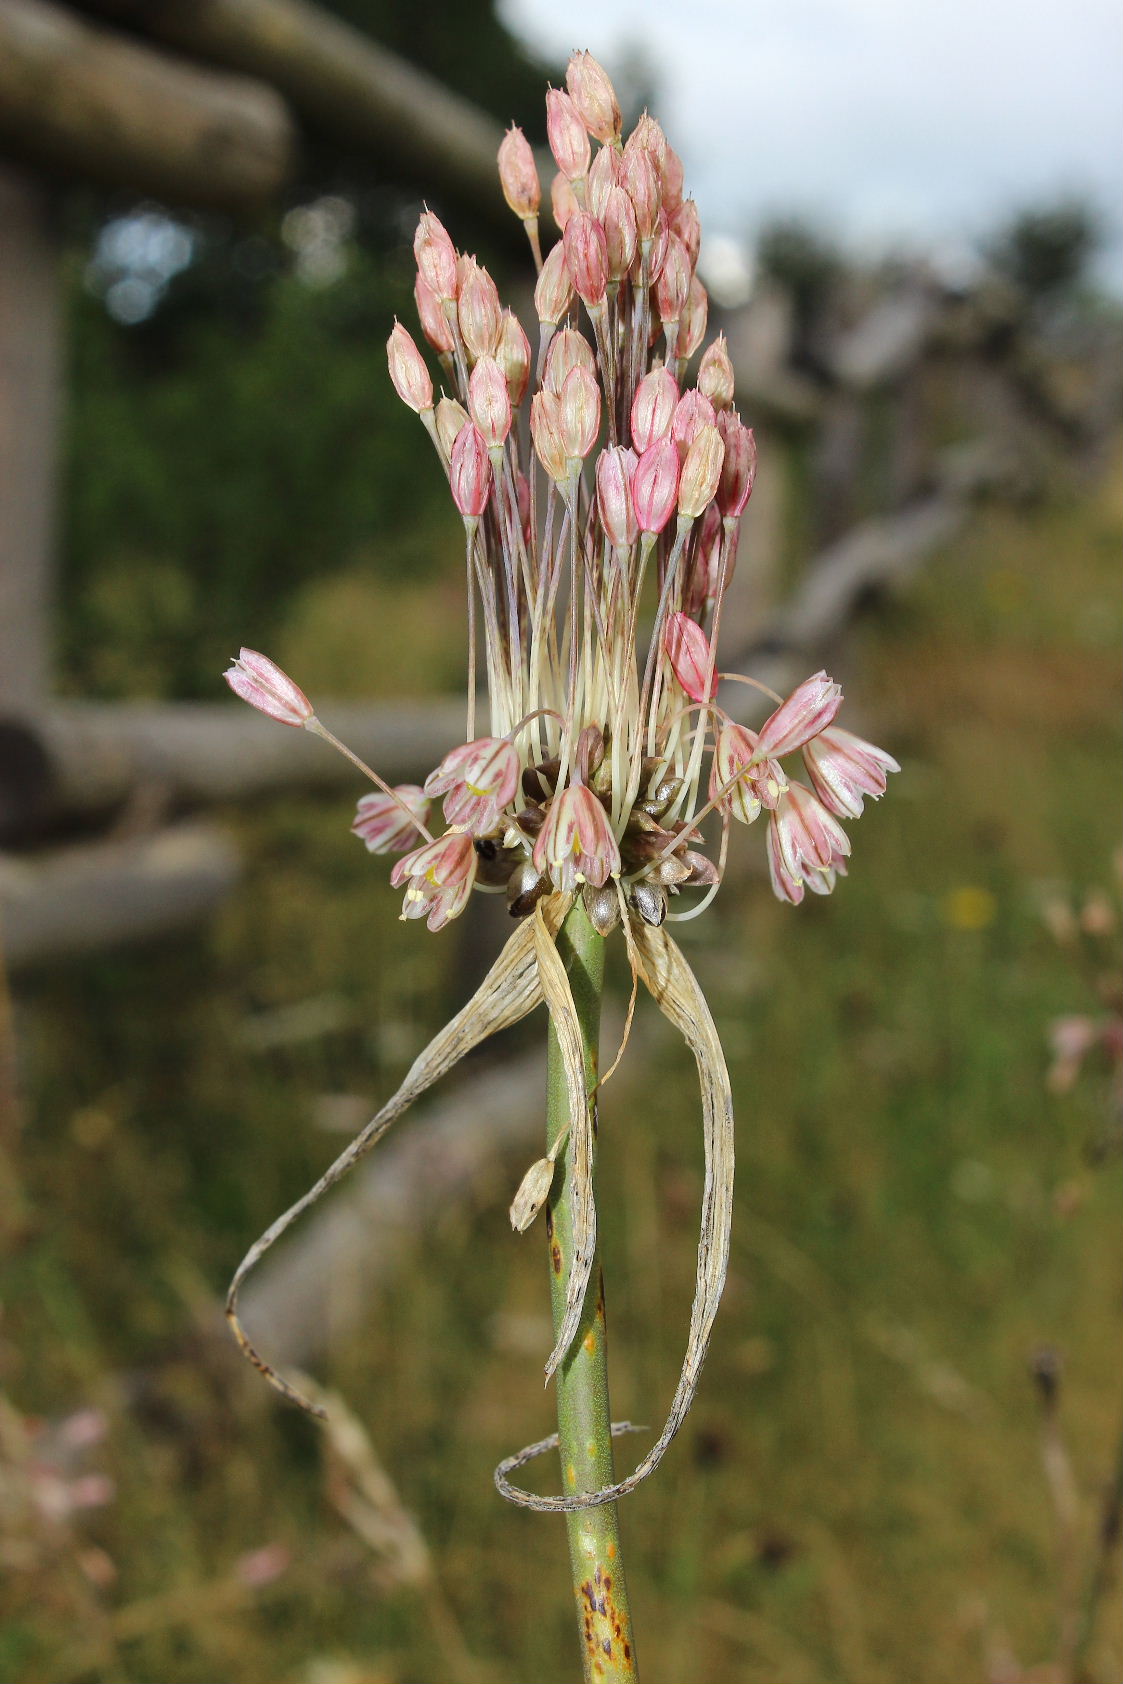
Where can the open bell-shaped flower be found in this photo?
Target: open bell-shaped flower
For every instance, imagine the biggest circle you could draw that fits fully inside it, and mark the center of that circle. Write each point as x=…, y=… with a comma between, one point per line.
x=748, y=782
x=806, y=838
x=844, y=769
x=477, y=780
x=576, y=844
x=438, y=878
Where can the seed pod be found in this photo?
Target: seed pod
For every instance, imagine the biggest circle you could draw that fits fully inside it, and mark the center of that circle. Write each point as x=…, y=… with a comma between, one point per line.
x=602, y=907
x=525, y=888
x=650, y=902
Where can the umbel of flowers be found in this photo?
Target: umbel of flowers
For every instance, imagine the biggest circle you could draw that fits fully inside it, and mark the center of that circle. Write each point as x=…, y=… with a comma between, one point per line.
x=601, y=493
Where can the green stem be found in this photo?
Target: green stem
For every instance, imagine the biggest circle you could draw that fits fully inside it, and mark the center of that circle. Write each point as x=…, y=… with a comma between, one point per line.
x=584, y=1416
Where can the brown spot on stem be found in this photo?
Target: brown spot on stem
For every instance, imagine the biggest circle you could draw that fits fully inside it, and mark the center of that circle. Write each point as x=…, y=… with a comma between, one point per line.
x=556, y=1257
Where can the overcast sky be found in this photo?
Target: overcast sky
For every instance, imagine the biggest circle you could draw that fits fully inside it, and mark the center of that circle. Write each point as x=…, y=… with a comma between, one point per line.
x=892, y=121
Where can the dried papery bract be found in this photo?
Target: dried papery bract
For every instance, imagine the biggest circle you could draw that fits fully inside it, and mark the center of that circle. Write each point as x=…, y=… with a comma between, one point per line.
x=601, y=494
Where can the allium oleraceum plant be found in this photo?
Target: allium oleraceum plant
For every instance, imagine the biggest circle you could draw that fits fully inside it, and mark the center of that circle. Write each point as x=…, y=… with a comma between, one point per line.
x=601, y=525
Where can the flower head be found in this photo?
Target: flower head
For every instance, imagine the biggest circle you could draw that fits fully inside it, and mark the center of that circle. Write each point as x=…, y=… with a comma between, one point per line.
x=477, y=779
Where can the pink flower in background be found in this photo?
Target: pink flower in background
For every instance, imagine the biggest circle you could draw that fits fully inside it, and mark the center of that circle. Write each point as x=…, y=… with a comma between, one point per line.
x=388, y=824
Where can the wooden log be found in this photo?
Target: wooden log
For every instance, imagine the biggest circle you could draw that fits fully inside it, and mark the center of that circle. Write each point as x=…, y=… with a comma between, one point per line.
x=30, y=394
x=89, y=757
x=103, y=894
x=87, y=101
x=344, y=85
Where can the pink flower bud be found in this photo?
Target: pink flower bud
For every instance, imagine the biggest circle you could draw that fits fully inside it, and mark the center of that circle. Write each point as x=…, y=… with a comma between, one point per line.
x=594, y=97
x=451, y=418
x=701, y=472
x=567, y=135
x=489, y=404
x=434, y=322
x=671, y=177
x=470, y=472
x=673, y=286
x=563, y=200
x=692, y=322
x=568, y=350
x=408, y=371
x=518, y=174
x=439, y=879
x=808, y=710
x=387, y=825
x=545, y=431
x=705, y=570
x=553, y=291
x=653, y=407
x=477, y=779
x=715, y=375
x=615, y=468
x=686, y=223
x=578, y=414
x=740, y=783
x=479, y=311
x=692, y=661
x=260, y=682
x=739, y=468
x=660, y=247
x=513, y=357
x=844, y=769
x=604, y=174
x=640, y=180
x=655, y=485
x=692, y=413
x=620, y=232
x=586, y=256
x=436, y=256
x=648, y=136
x=576, y=844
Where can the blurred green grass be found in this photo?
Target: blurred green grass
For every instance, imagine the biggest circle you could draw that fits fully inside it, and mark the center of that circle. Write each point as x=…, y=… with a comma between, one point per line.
x=858, y=1495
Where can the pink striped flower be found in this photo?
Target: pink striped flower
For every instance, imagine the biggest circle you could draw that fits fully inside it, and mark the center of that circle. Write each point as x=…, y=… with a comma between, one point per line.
x=808, y=710
x=615, y=470
x=470, y=472
x=692, y=661
x=844, y=769
x=438, y=879
x=741, y=783
x=655, y=485
x=567, y=135
x=518, y=174
x=260, y=682
x=806, y=838
x=436, y=257
x=477, y=780
x=576, y=844
x=653, y=408
x=388, y=825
